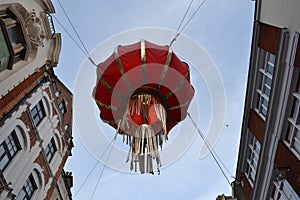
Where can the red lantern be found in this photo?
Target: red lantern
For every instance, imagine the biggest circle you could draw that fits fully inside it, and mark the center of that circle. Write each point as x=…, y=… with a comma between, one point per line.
x=143, y=90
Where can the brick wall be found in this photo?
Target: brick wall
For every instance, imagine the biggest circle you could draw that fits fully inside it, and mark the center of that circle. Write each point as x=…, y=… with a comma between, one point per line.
x=247, y=189
x=40, y=160
x=25, y=118
x=285, y=158
x=8, y=101
x=256, y=125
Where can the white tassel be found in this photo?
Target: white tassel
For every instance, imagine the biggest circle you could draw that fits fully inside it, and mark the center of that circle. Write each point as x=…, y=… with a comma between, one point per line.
x=143, y=142
x=142, y=163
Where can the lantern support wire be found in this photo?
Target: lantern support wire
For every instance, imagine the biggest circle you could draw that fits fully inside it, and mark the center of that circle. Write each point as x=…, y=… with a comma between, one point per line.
x=93, y=168
x=179, y=29
x=212, y=152
x=103, y=168
x=82, y=47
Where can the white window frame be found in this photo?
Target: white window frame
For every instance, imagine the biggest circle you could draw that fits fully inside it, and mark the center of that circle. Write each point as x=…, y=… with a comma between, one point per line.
x=252, y=158
x=292, y=138
x=284, y=191
x=266, y=65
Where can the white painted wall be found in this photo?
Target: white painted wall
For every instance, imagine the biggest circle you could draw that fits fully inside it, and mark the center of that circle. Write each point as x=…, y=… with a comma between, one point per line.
x=23, y=69
x=282, y=14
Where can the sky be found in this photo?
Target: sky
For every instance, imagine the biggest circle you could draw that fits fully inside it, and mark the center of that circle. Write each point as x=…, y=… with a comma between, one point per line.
x=222, y=29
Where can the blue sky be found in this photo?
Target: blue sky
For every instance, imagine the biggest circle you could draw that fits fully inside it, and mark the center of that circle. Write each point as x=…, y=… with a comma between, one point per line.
x=223, y=28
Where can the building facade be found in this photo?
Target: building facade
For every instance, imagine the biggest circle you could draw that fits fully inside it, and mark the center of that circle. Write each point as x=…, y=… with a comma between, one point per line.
x=269, y=155
x=35, y=106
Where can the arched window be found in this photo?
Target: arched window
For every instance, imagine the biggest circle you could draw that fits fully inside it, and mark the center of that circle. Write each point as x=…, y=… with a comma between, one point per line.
x=27, y=189
x=33, y=186
x=50, y=150
x=38, y=113
x=8, y=149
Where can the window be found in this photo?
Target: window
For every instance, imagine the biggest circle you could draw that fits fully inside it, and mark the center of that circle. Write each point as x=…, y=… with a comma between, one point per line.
x=8, y=149
x=265, y=73
x=284, y=191
x=50, y=150
x=38, y=113
x=252, y=158
x=5, y=58
x=12, y=41
x=62, y=107
x=293, y=128
x=28, y=189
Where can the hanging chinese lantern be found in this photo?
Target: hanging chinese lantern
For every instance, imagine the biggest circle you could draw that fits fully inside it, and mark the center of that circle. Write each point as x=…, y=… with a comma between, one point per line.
x=143, y=90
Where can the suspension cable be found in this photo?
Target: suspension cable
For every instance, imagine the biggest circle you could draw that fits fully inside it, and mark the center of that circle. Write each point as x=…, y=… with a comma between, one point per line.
x=93, y=168
x=73, y=27
x=185, y=14
x=212, y=152
x=82, y=47
x=101, y=174
x=179, y=29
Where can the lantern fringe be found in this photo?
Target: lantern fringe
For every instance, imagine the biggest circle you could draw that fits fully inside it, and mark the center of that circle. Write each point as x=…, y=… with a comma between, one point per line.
x=144, y=150
x=144, y=140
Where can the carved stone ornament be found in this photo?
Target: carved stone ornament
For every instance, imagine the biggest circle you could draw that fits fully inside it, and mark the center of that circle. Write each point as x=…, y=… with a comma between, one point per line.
x=35, y=29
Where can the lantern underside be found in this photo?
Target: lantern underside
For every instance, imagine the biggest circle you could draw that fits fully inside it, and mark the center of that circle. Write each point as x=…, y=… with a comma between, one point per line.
x=144, y=128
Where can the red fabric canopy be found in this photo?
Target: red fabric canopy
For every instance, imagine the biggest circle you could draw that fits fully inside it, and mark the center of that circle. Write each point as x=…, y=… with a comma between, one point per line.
x=143, y=67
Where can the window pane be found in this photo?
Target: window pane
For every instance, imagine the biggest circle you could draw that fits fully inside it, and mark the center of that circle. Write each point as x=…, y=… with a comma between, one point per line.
x=298, y=85
x=268, y=81
x=294, y=108
x=2, y=150
x=62, y=107
x=267, y=90
x=264, y=111
x=270, y=68
x=28, y=189
x=260, y=80
x=289, y=133
x=50, y=150
x=4, y=53
x=3, y=162
x=38, y=113
x=21, y=195
x=34, y=112
x=272, y=58
x=265, y=103
x=14, y=35
x=11, y=144
x=297, y=140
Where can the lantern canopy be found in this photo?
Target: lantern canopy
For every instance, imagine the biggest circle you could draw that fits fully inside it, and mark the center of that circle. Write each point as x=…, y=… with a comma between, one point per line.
x=143, y=90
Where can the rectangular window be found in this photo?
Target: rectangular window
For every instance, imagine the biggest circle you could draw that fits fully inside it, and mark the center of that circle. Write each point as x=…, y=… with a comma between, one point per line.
x=62, y=107
x=12, y=40
x=252, y=159
x=50, y=150
x=38, y=113
x=265, y=73
x=284, y=191
x=292, y=137
x=8, y=149
x=28, y=189
x=5, y=58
